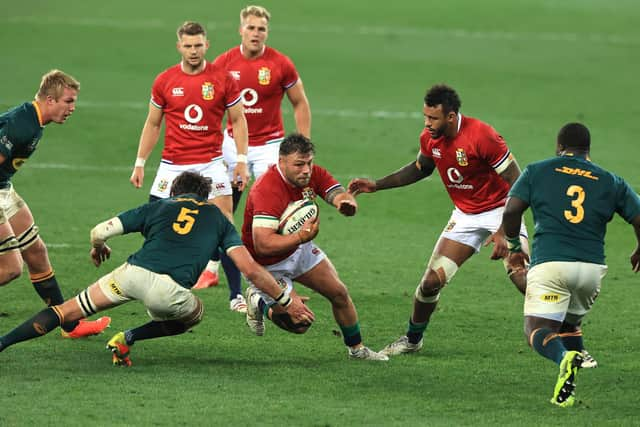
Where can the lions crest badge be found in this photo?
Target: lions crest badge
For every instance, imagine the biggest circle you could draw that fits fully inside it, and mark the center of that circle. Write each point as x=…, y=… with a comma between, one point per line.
x=308, y=193
x=264, y=76
x=461, y=157
x=207, y=91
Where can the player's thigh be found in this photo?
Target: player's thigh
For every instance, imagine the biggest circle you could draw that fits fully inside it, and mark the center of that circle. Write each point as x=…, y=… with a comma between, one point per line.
x=548, y=295
x=220, y=180
x=229, y=153
x=10, y=258
x=161, y=295
x=324, y=279
x=19, y=216
x=586, y=279
x=225, y=204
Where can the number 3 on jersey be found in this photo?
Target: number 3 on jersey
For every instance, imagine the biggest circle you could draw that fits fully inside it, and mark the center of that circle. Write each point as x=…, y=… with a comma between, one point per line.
x=184, y=222
x=578, y=192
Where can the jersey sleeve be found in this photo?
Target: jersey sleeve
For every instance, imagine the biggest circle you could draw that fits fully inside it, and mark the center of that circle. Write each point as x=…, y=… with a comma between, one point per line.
x=493, y=149
x=628, y=202
x=425, y=138
x=6, y=145
x=133, y=220
x=290, y=75
x=324, y=181
x=267, y=208
x=522, y=187
x=232, y=92
x=157, y=93
x=230, y=237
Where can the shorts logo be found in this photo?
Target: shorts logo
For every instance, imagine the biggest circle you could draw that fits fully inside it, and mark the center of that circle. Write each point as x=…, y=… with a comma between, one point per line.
x=220, y=186
x=461, y=157
x=308, y=193
x=282, y=283
x=163, y=185
x=552, y=298
x=207, y=91
x=264, y=76
x=114, y=288
x=315, y=251
x=450, y=226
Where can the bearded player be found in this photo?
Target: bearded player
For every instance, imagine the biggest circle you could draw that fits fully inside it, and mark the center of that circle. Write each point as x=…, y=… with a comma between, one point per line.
x=295, y=257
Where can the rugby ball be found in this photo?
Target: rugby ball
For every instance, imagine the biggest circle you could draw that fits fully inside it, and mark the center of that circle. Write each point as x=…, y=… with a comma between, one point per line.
x=296, y=215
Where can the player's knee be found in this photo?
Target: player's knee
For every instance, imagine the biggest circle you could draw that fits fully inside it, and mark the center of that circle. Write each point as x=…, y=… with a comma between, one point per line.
x=10, y=274
x=195, y=317
x=340, y=298
x=571, y=324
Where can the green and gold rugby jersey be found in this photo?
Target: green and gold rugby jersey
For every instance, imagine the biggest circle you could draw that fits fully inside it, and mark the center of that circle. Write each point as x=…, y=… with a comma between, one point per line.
x=20, y=131
x=572, y=200
x=181, y=235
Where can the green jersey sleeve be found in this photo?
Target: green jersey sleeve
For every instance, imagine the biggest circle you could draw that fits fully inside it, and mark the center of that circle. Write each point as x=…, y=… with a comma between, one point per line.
x=134, y=220
x=628, y=202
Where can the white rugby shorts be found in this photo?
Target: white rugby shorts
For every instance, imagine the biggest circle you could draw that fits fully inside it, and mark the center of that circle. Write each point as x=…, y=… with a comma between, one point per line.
x=10, y=203
x=167, y=172
x=259, y=158
x=164, y=298
x=559, y=289
x=307, y=256
x=473, y=229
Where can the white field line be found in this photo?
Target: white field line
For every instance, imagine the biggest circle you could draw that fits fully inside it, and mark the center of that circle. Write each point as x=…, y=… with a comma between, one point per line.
x=344, y=113
x=367, y=31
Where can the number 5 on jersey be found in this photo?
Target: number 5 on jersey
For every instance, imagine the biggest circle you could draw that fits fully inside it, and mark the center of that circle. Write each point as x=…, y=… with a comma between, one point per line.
x=184, y=222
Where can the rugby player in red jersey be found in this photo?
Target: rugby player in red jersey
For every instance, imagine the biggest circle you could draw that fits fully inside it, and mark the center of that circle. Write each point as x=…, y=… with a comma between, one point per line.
x=295, y=257
x=264, y=76
x=477, y=169
x=193, y=97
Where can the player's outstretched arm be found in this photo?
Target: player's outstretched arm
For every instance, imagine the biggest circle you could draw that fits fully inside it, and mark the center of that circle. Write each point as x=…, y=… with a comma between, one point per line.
x=241, y=138
x=261, y=278
x=412, y=172
x=148, y=140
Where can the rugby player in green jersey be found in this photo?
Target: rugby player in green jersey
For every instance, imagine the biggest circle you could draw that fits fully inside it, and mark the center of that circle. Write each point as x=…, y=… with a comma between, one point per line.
x=20, y=131
x=572, y=200
x=181, y=234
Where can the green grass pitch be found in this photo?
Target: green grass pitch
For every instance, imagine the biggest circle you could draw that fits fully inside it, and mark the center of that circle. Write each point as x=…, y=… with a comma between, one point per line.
x=526, y=67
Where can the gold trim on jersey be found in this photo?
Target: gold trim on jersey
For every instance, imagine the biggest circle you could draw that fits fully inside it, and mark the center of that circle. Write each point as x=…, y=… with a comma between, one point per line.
x=38, y=113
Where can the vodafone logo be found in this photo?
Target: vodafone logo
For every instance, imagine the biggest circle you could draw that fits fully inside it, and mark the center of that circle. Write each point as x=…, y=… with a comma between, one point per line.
x=456, y=178
x=249, y=97
x=193, y=114
x=454, y=175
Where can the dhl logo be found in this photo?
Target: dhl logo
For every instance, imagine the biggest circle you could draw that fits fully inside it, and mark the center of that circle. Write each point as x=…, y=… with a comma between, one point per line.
x=577, y=171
